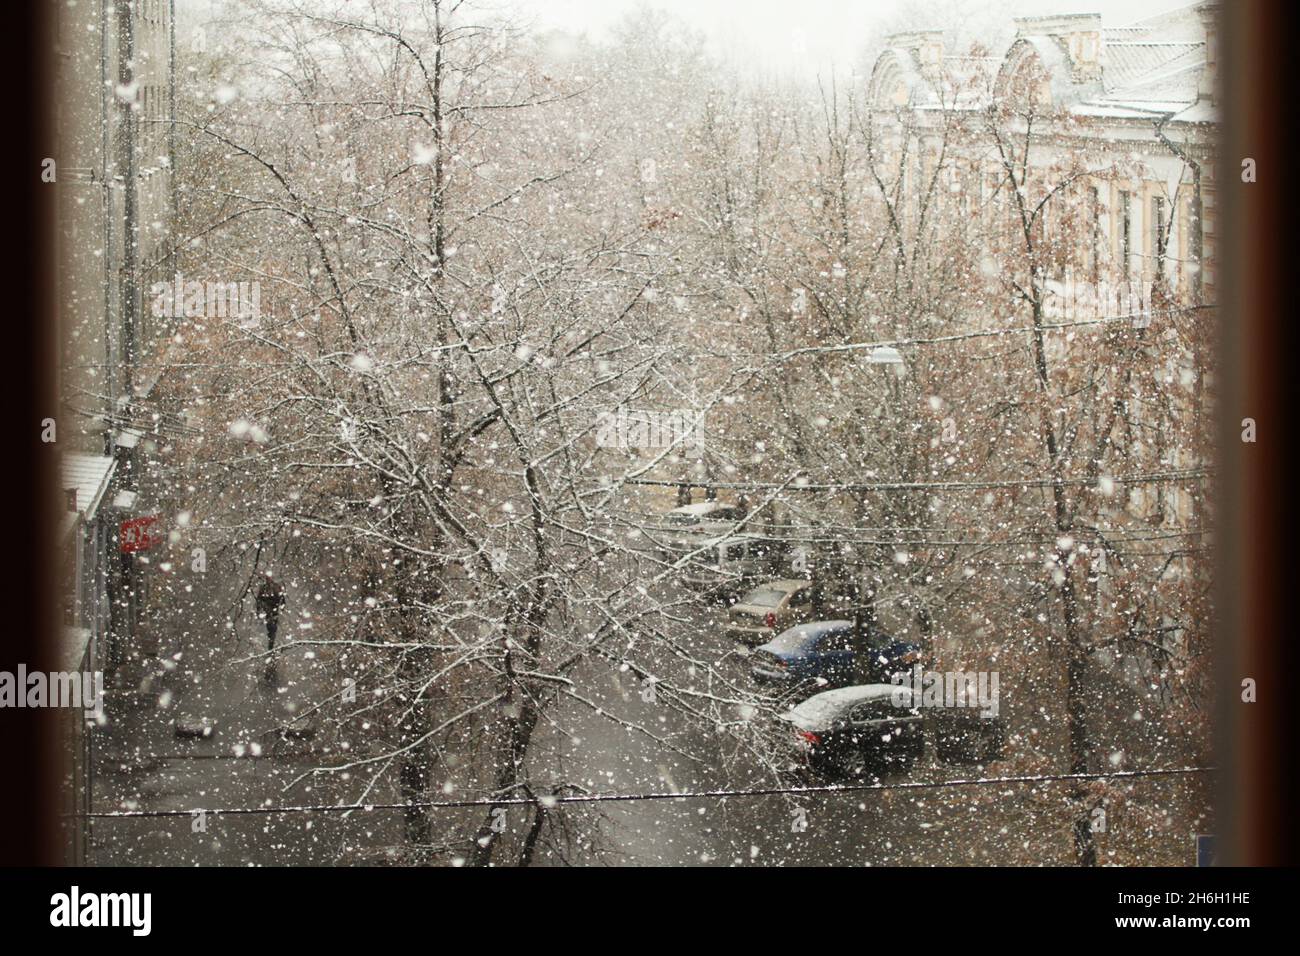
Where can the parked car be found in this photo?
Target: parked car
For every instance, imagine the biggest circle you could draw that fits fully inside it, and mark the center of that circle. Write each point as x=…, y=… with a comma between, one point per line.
x=819, y=651
x=769, y=609
x=702, y=512
x=733, y=563
x=889, y=655
x=853, y=730
x=689, y=528
x=824, y=652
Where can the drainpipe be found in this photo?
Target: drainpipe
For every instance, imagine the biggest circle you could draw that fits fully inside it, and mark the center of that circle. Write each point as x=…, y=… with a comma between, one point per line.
x=1198, y=400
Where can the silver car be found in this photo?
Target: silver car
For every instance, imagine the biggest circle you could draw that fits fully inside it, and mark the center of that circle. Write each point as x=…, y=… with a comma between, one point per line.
x=769, y=609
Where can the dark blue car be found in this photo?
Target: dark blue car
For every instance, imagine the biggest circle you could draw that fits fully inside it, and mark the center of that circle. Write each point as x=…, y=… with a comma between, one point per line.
x=821, y=654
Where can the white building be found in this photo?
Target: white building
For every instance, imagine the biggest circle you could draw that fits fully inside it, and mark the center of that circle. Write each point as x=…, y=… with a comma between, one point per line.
x=1137, y=100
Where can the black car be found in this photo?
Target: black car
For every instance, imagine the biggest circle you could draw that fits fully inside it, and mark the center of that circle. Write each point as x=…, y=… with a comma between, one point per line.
x=855, y=730
x=823, y=652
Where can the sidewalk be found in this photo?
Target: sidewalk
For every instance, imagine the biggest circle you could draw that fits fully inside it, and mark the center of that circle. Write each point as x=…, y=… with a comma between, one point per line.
x=198, y=721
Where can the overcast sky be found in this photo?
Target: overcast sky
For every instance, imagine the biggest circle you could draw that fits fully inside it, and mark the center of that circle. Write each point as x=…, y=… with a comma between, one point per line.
x=806, y=37
x=812, y=35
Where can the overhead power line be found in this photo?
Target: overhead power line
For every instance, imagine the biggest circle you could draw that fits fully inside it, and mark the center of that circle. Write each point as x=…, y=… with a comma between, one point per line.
x=1047, y=327
x=1186, y=474
x=722, y=794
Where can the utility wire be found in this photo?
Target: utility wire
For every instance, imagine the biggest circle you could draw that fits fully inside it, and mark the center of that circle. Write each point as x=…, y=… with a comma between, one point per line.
x=831, y=533
x=813, y=349
x=1047, y=482
x=634, y=797
x=1047, y=327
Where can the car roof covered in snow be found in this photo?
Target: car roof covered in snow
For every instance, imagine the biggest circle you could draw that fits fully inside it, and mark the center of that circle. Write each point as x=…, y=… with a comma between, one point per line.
x=701, y=508
x=826, y=706
x=784, y=584
x=796, y=637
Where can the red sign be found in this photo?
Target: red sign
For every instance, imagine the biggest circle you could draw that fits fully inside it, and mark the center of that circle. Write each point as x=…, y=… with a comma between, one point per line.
x=136, y=536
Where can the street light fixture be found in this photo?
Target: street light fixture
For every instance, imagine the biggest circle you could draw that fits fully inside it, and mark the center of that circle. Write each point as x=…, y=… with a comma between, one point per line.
x=886, y=355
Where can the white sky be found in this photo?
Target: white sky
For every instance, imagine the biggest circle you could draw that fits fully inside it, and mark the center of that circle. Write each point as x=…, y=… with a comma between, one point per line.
x=800, y=37
x=809, y=36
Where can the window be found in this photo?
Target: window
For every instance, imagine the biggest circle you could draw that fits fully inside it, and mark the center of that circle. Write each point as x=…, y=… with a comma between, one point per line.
x=1125, y=231
x=836, y=641
x=763, y=597
x=859, y=714
x=1158, y=230
x=1041, y=233
x=882, y=709
x=989, y=211
x=878, y=640
x=72, y=595
x=1094, y=233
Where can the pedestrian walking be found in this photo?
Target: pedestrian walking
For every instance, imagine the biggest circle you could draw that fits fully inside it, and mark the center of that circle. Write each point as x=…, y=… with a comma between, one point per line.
x=270, y=599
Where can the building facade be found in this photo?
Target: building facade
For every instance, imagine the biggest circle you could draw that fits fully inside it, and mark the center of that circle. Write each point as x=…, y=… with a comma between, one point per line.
x=112, y=168
x=1137, y=102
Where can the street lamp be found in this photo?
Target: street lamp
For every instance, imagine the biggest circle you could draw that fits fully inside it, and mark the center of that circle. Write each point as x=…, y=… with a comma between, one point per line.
x=887, y=355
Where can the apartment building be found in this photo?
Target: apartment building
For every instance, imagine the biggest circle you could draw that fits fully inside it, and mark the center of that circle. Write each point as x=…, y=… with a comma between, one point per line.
x=1137, y=101
x=112, y=168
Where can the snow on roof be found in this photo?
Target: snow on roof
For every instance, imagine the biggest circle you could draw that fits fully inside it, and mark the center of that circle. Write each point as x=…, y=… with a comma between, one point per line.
x=1181, y=22
x=1106, y=109
x=1128, y=64
x=785, y=584
x=828, y=703
x=1149, y=78
x=1152, y=66
x=1200, y=112
x=89, y=475
x=700, y=507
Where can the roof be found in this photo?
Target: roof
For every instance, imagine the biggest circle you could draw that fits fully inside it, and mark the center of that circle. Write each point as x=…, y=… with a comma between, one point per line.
x=1136, y=64
x=1152, y=67
x=844, y=696
x=960, y=83
x=798, y=636
x=1179, y=23
x=784, y=584
x=701, y=508
x=89, y=475
x=829, y=703
x=1153, y=76
x=818, y=626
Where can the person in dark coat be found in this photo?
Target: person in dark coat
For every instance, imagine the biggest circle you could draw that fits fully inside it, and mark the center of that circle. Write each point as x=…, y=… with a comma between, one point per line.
x=270, y=599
